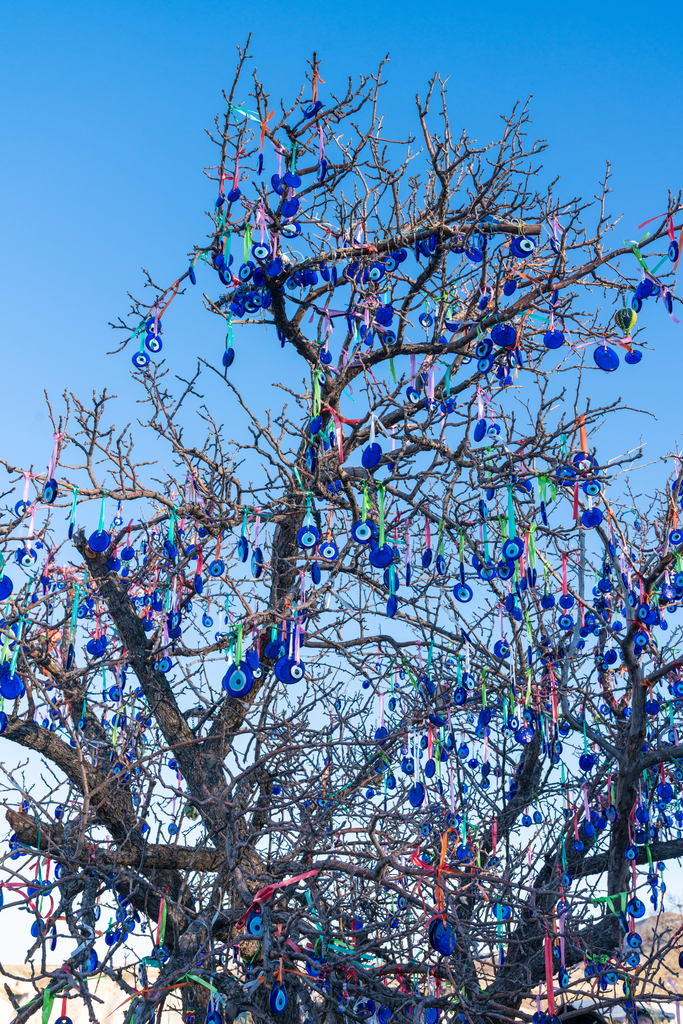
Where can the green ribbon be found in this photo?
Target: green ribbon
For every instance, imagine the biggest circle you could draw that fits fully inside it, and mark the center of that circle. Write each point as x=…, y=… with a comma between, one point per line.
x=380, y=502
x=201, y=981
x=227, y=246
x=238, y=652
x=171, y=526
x=100, y=528
x=229, y=337
x=298, y=476
x=636, y=253
x=316, y=395
x=511, y=515
x=610, y=901
x=250, y=115
x=162, y=927
x=72, y=516
x=17, y=646
x=48, y=1000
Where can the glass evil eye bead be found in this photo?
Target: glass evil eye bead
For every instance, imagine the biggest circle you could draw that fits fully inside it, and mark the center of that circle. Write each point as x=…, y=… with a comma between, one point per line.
x=363, y=532
x=278, y=998
x=254, y=919
x=99, y=541
x=50, y=492
x=217, y=568
x=328, y=551
x=257, y=563
x=605, y=358
x=381, y=557
x=308, y=537
x=140, y=360
x=372, y=456
x=238, y=680
x=416, y=794
x=635, y=907
x=170, y=550
x=553, y=339
x=522, y=247
x=504, y=335
x=260, y=251
x=274, y=267
x=154, y=343
x=591, y=517
x=463, y=593
x=512, y=549
x=289, y=671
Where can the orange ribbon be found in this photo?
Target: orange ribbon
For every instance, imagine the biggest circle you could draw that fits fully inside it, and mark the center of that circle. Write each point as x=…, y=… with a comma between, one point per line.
x=264, y=125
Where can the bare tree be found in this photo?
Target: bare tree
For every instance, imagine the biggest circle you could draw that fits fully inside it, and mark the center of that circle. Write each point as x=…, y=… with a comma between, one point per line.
x=354, y=713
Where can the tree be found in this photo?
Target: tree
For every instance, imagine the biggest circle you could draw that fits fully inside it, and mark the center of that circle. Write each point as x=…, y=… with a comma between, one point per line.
x=358, y=737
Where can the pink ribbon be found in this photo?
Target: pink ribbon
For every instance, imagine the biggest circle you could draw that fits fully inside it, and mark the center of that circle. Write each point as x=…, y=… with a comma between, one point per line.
x=261, y=219
x=265, y=894
x=53, y=458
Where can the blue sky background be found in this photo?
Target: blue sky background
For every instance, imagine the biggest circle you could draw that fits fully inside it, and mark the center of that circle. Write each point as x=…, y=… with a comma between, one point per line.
x=103, y=120
x=103, y=144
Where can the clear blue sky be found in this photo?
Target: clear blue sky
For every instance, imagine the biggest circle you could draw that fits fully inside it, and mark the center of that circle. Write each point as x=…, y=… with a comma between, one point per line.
x=104, y=106
x=103, y=117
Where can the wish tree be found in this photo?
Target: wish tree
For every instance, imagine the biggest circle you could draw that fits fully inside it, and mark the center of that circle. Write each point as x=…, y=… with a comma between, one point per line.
x=370, y=708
